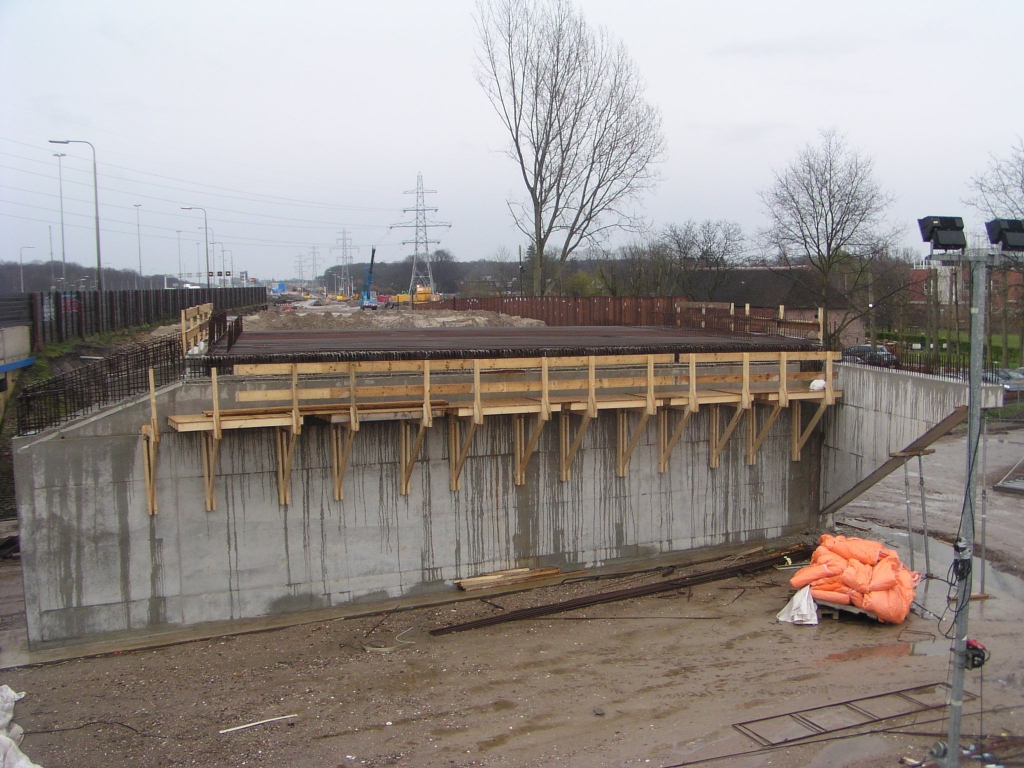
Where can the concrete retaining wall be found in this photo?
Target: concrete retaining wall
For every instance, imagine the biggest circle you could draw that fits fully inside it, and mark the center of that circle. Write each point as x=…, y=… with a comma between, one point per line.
x=881, y=412
x=94, y=561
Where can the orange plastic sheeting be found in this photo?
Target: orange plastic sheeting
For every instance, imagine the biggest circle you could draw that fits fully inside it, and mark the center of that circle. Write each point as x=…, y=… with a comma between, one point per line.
x=862, y=572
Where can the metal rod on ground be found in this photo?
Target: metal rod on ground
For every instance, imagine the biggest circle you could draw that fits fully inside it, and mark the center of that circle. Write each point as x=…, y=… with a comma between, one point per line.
x=924, y=515
x=964, y=548
x=910, y=527
x=718, y=574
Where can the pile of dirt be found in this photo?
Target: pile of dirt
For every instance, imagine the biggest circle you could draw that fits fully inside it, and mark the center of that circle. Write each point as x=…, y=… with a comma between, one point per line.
x=385, y=319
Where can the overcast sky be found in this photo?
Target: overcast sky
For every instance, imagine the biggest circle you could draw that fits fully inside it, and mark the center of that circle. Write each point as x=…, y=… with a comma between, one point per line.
x=290, y=122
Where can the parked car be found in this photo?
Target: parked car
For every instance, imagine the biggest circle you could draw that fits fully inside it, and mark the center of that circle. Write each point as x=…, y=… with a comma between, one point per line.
x=1010, y=381
x=881, y=357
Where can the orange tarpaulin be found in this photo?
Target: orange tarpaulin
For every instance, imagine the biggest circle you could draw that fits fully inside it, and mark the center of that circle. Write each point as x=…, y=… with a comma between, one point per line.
x=848, y=570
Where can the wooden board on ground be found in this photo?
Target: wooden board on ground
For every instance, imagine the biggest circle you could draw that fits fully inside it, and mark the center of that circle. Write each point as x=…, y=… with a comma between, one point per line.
x=506, y=578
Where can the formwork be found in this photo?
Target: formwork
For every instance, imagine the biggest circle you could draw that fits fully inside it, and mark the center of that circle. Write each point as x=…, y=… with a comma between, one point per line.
x=315, y=469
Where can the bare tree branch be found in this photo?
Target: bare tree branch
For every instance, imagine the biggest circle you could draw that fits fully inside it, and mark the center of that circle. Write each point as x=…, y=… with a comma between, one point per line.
x=581, y=132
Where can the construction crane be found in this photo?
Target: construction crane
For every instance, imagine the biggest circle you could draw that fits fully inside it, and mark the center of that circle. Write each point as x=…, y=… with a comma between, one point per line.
x=369, y=298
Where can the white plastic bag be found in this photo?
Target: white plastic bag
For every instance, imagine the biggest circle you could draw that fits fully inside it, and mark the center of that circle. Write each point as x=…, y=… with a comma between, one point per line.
x=801, y=609
x=818, y=385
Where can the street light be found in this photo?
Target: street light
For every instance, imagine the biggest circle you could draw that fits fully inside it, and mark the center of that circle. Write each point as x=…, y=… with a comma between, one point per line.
x=138, y=235
x=63, y=254
x=21, y=262
x=206, y=231
x=96, y=199
x=179, y=256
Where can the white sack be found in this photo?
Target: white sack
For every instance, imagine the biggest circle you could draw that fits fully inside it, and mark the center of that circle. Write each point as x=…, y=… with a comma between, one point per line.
x=818, y=385
x=801, y=609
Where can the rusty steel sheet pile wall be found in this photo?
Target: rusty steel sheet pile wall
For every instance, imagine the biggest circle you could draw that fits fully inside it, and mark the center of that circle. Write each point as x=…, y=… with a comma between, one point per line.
x=95, y=562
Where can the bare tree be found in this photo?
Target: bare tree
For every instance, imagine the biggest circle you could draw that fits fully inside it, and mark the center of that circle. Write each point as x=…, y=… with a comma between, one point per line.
x=583, y=135
x=704, y=255
x=826, y=211
x=999, y=193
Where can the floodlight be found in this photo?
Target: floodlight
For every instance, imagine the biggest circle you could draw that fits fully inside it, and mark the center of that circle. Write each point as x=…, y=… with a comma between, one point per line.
x=945, y=233
x=1008, y=233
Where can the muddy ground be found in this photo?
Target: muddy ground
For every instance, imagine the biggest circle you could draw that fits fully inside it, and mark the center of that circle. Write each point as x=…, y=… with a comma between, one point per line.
x=654, y=681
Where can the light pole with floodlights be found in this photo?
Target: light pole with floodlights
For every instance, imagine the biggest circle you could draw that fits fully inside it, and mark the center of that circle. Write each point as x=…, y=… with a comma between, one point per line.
x=206, y=232
x=96, y=199
x=21, y=263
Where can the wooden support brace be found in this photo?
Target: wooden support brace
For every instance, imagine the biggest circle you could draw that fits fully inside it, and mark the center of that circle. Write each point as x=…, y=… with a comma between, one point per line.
x=524, y=447
x=800, y=438
x=408, y=450
x=783, y=380
x=341, y=451
x=478, y=411
x=545, y=394
x=755, y=437
x=666, y=442
x=718, y=443
x=216, y=408
x=285, y=456
x=694, y=402
x=591, y=389
x=745, y=391
x=210, y=449
x=567, y=447
x=428, y=414
x=458, y=450
x=296, y=418
x=353, y=410
x=150, y=441
x=625, y=443
x=652, y=406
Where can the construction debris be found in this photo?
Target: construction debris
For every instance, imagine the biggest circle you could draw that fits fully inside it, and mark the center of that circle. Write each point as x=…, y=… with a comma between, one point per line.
x=507, y=578
x=718, y=574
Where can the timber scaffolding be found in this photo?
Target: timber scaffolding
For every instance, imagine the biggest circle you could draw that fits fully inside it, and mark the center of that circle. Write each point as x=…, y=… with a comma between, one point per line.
x=465, y=376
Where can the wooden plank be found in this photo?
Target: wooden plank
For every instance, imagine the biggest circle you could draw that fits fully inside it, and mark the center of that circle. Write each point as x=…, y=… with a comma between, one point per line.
x=428, y=418
x=210, y=446
x=285, y=442
x=795, y=422
x=798, y=448
x=506, y=578
x=341, y=452
x=216, y=408
x=944, y=427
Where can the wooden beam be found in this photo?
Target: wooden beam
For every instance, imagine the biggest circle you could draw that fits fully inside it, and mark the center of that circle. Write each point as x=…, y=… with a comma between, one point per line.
x=210, y=449
x=795, y=424
x=694, y=402
x=625, y=443
x=296, y=418
x=285, y=440
x=745, y=392
x=652, y=406
x=341, y=451
x=591, y=387
x=783, y=380
x=717, y=444
x=523, y=447
x=568, y=447
x=428, y=414
x=478, y=411
x=408, y=450
x=756, y=438
x=802, y=440
x=944, y=427
x=216, y=407
x=458, y=450
x=545, y=396
x=150, y=441
x=353, y=409
x=666, y=442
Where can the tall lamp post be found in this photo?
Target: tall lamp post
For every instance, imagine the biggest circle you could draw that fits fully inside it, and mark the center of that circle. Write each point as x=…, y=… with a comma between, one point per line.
x=178, y=231
x=21, y=263
x=63, y=253
x=206, y=232
x=138, y=235
x=96, y=199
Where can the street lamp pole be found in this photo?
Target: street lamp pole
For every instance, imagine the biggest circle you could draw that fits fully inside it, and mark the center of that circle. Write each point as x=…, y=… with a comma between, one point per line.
x=21, y=262
x=138, y=235
x=178, y=231
x=63, y=253
x=96, y=199
x=206, y=231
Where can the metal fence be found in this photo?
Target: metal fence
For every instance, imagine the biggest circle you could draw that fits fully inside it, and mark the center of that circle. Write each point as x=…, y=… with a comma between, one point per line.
x=121, y=374
x=708, y=317
x=15, y=310
x=57, y=316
